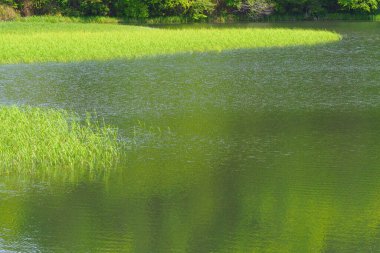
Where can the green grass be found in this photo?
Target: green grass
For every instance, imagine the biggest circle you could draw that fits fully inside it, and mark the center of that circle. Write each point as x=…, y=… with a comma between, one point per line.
x=327, y=16
x=28, y=42
x=49, y=143
x=65, y=19
x=104, y=20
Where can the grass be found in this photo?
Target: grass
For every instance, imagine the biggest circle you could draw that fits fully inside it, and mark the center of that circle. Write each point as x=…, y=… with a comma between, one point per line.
x=49, y=142
x=213, y=19
x=65, y=19
x=104, y=20
x=29, y=42
x=327, y=17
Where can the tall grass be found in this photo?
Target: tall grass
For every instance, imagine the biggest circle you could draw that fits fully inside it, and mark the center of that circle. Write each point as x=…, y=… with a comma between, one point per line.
x=184, y=20
x=104, y=20
x=61, y=42
x=159, y=20
x=65, y=19
x=48, y=142
x=326, y=16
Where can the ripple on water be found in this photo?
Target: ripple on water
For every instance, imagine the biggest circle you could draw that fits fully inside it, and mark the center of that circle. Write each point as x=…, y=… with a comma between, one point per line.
x=246, y=150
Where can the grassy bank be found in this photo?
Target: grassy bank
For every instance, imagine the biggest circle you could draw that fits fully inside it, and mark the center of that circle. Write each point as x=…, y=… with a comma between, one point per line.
x=324, y=17
x=28, y=42
x=49, y=142
x=65, y=19
x=213, y=19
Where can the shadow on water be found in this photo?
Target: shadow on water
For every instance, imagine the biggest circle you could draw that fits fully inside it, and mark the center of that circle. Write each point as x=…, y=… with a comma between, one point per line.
x=270, y=150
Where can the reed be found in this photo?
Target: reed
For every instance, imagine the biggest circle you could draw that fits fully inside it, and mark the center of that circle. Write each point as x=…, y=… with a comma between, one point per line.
x=48, y=142
x=29, y=42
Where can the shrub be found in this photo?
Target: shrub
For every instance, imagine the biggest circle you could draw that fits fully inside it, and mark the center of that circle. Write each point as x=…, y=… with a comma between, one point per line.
x=255, y=8
x=132, y=9
x=7, y=12
x=201, y=9
x=94, y=8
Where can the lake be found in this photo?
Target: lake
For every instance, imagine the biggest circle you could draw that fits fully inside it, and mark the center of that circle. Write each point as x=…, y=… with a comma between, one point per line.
x=262, y=150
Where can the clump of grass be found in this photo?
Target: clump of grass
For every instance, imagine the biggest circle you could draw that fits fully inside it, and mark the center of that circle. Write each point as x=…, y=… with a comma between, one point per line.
x=49, y=142
x=62, y=42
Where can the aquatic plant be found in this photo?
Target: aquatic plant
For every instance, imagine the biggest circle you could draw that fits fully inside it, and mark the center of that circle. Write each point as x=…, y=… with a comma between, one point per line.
x=62, y=42
x=46, y=142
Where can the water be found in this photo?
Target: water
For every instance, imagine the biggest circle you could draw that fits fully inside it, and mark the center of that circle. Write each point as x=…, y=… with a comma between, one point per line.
x=266, y=150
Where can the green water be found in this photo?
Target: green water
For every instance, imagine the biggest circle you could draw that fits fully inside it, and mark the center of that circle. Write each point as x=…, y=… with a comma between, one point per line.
x=266, y=150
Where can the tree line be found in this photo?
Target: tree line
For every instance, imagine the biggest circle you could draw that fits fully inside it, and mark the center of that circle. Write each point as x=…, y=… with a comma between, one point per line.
x=193, y=9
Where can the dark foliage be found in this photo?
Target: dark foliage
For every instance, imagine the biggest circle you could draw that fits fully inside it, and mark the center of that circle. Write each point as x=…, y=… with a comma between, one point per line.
x=193, y=9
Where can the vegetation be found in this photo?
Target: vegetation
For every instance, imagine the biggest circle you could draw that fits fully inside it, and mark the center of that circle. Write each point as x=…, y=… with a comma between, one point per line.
x=190, y=9
x=7, y=12
x=363, y=5
x=327, y=16
x=45, y=42
x=47, y=142
x=63, y=19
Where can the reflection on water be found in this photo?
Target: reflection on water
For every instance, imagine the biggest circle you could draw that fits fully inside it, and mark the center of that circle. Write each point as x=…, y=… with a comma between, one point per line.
x=271, y=150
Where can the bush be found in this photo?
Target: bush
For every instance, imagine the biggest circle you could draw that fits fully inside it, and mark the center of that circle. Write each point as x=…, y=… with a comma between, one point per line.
x=8, y=13
x=132, y=9
x=94, y=8
x=201, y=9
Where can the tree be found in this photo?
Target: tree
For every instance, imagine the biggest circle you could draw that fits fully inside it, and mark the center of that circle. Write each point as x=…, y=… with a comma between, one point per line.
x=360, y=5
x=255, y=8
x=200, y=9
x=133, y=9
x=251, y=8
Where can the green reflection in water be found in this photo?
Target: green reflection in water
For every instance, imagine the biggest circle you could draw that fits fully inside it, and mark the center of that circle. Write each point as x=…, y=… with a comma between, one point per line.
x=268, y=151
x=293, y=182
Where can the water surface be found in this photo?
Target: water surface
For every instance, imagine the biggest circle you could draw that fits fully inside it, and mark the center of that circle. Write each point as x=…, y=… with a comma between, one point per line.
x=265, y=150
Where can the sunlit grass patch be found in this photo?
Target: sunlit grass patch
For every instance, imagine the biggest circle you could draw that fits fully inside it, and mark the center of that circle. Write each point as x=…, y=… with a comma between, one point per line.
x=51, y=142
x=62, y=42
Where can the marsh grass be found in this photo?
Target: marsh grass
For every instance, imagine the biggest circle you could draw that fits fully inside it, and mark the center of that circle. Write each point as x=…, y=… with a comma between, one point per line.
x=55, y=143
x=28, y=42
